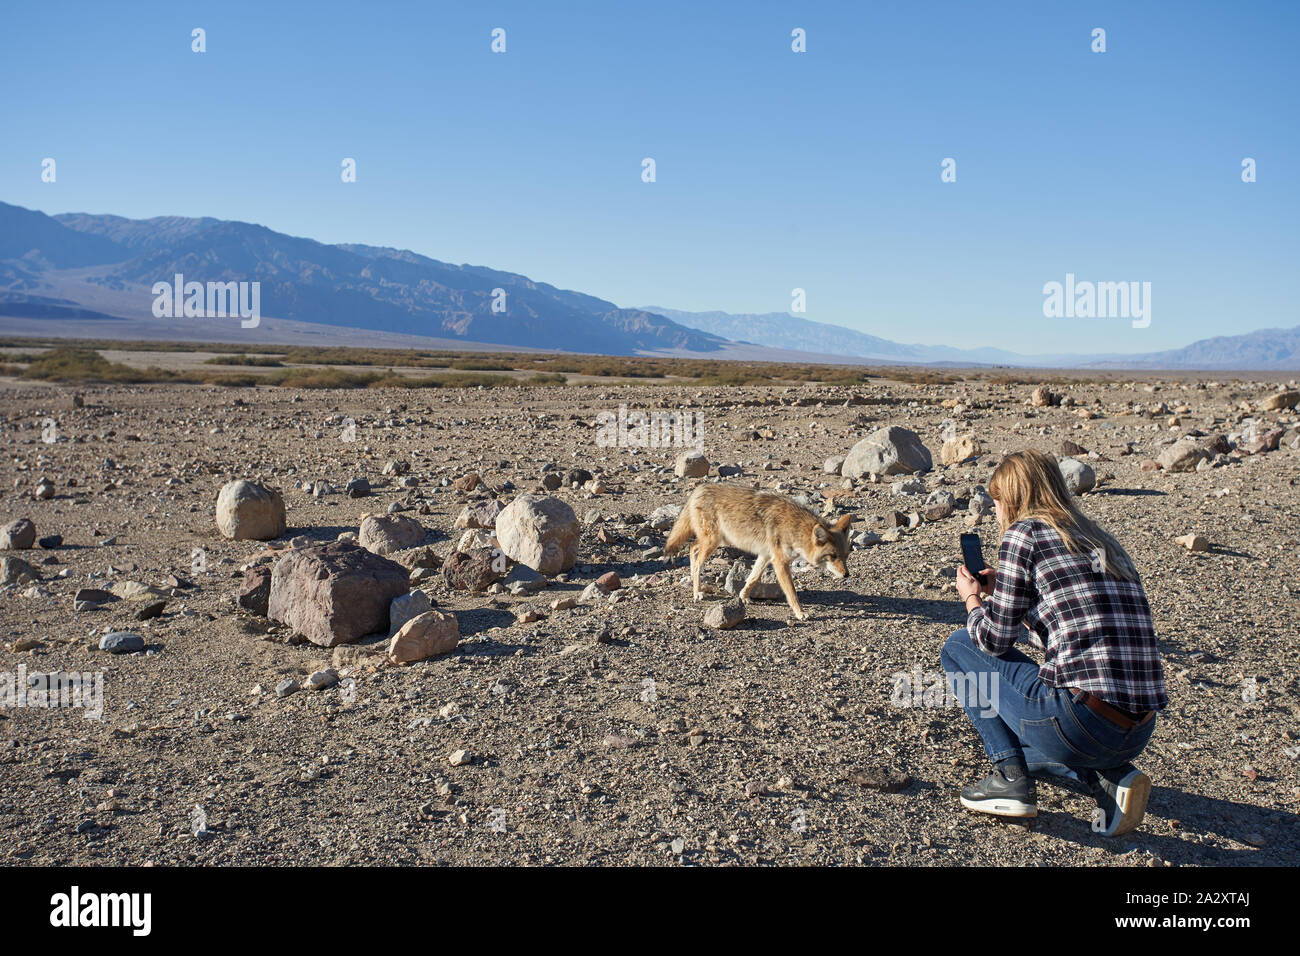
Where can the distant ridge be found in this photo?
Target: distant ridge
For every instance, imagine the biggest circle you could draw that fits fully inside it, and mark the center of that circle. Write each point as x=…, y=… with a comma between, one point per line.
x=78, y=257
x=63, y=274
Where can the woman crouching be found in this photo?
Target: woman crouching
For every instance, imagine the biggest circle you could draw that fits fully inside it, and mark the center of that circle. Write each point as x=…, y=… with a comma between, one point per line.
x=1069, y=588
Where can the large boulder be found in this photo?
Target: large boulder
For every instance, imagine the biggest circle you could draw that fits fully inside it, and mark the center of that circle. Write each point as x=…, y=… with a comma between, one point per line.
x=334, y=593
x=1079, y=477
x=887, y=451
x=542, y=533
x=247, y=510
x=18, y=535
x=386, y=534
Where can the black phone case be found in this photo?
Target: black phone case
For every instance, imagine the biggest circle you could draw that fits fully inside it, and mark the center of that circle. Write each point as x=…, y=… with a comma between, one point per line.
x=972, y=551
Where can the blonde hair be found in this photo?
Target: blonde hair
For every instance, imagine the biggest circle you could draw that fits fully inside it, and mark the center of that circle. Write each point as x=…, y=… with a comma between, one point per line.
x=1028, y=484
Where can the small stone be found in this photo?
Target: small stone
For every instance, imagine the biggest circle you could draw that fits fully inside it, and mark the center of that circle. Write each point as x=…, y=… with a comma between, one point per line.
x=691, y=464
x=405, y=607
x=725, y=616
x=882, y=779
x=959, y=449
x=121, y=642
x=320, y=680
x=150, y=611
x=430, y=634
x=459, y=758
x=1079, y=477
x=17, y=535
x=938, y=505
x=468, y=482
x=255, y=590
x=17, y=571
x=1043, y=397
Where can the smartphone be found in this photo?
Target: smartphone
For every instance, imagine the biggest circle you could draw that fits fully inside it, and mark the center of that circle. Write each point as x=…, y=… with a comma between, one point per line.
x=972, y=554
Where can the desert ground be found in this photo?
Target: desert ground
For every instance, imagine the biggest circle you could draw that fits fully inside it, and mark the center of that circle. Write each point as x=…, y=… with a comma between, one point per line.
x=622, y=730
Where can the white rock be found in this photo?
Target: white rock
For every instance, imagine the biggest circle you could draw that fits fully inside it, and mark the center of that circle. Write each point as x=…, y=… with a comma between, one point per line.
x=247, y=510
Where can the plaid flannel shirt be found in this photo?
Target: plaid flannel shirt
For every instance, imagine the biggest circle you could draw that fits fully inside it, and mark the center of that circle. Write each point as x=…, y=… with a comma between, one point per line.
x=1095, y=629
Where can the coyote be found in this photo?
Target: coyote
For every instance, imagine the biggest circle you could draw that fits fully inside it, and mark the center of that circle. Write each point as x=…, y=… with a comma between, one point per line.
x=772, y=528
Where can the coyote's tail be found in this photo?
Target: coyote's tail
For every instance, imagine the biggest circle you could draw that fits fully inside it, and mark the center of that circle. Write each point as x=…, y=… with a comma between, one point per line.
x=683, y=531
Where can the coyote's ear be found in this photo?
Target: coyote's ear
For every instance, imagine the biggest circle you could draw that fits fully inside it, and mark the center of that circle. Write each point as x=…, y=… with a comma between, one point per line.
x=820, y=534
x=842, y=524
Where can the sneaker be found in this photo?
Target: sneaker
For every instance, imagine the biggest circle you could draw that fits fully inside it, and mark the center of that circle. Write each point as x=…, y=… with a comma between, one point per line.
x=1001, y=797
x=1121, y=795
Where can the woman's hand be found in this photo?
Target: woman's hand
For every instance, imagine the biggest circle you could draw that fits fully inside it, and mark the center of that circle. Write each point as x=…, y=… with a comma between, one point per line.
x=968, y=586
x=986, y=580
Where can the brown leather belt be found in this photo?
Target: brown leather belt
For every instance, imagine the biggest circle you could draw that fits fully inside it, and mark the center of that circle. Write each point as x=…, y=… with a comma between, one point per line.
x=1113, y=714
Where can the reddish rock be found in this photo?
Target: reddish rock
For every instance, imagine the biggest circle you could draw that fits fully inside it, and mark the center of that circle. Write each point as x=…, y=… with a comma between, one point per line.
x=609, y=582
x=334, y=593
x=468, y=482
x=474, y=570
x=255, y=589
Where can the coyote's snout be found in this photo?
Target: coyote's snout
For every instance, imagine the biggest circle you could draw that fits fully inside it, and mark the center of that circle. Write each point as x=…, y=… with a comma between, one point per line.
x=772, y=528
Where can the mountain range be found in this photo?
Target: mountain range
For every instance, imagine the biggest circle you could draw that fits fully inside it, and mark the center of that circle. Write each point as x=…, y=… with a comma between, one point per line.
x=92, y=275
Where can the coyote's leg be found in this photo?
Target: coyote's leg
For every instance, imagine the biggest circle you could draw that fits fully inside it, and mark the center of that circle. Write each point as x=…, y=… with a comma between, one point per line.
x=782, y=567
x=695, y=570
x=760, y=565
x=705, y=545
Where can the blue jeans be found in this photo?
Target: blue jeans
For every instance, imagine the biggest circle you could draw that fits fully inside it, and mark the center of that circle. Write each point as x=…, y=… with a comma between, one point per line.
x=1017, y=715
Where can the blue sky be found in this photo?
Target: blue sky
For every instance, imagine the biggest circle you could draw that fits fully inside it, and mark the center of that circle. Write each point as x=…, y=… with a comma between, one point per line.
x=775, y=170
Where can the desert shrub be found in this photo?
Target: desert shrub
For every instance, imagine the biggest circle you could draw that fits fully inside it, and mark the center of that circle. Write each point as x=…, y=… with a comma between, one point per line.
x=263, y=361
x=65, y=364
